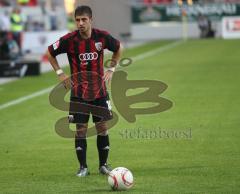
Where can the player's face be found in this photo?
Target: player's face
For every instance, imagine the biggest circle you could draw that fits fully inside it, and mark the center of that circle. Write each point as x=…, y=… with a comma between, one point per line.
x=83, y=22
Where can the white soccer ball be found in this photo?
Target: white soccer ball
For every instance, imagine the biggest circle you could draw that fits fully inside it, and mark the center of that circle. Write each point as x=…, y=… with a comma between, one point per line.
x=120, y=178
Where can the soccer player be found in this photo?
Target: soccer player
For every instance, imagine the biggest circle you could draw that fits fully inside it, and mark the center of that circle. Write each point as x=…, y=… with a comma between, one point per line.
x=85, y=51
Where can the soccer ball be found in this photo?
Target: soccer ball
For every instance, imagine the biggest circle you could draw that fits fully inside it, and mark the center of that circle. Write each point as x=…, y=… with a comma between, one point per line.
x=120, y=178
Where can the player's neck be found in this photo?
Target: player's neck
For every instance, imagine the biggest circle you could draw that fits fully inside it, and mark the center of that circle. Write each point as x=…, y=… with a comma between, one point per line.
x=86, y=35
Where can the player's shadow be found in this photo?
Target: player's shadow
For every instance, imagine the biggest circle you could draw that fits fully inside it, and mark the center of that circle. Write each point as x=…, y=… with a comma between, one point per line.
x=100, y=190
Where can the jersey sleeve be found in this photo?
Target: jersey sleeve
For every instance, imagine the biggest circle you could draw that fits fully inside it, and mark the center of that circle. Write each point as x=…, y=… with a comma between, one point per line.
x=111, y=43
x=59, y=47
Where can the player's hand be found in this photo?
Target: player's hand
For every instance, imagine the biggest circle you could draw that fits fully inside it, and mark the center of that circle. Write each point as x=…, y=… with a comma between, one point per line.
x=65, y=80
x=108, y=76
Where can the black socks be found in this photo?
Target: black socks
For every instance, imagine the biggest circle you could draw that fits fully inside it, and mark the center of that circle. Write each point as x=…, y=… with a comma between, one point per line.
x=103, y=149
x=81, y=151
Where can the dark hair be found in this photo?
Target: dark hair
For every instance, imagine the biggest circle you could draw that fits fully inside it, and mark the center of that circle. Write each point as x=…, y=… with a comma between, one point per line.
x=83, y=9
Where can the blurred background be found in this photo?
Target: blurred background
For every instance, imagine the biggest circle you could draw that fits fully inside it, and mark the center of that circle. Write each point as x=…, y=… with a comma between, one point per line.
x=29, y=26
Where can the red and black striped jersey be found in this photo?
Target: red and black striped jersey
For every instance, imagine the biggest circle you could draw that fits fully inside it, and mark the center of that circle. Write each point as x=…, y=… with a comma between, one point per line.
x=86, y=61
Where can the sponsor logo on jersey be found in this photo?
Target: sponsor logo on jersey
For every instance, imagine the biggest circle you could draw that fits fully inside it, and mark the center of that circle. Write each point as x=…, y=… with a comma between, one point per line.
x=88, y=56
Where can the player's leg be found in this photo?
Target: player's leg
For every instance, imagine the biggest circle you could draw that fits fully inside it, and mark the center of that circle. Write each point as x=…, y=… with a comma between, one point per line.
x=103, y=108
x=81, y=148
x=81, y=121
x=81, y=143
x=103, y=146
x=102, y=142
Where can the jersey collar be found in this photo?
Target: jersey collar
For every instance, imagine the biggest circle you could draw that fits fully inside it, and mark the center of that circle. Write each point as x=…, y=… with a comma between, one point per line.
x=92, y=35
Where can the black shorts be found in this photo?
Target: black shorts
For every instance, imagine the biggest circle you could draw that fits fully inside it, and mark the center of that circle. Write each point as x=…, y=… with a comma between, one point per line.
x=80, y=110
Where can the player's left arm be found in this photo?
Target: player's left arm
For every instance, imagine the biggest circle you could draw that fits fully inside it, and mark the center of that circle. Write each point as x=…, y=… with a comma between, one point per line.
x=113, y=64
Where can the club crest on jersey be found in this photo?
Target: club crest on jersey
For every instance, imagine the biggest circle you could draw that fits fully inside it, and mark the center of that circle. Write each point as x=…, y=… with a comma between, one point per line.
x=98, y=46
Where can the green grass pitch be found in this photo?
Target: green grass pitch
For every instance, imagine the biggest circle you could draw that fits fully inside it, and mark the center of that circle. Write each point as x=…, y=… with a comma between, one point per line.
x=203, y=83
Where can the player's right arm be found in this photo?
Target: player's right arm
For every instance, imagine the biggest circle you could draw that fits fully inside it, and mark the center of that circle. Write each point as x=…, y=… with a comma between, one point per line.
x=51, y=53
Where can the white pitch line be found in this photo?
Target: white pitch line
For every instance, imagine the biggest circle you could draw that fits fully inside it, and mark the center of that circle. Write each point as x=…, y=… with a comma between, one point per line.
x=136, y=58
x=157, y=51
x=25, y=98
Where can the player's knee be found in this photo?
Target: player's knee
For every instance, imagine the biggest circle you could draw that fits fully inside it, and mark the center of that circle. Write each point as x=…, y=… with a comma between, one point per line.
x=101, y=128
x=81, y=130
